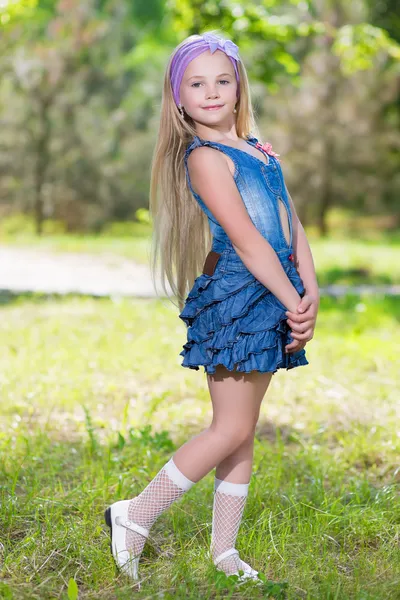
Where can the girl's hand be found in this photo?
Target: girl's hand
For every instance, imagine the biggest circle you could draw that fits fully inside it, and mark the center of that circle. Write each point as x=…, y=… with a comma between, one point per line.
x=302, y=323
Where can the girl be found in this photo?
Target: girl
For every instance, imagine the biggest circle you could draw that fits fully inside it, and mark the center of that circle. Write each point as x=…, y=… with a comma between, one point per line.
x=249, y=313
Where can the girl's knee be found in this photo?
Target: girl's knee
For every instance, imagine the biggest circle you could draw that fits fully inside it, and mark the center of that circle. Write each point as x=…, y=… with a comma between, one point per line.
x=234, y=436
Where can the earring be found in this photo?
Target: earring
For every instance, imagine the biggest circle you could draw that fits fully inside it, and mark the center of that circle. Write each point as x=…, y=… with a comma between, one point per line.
x=180, y=108
x=234, y=110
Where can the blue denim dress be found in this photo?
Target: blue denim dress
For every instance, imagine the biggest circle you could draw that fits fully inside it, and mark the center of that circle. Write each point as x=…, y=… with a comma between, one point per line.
x=232, y=318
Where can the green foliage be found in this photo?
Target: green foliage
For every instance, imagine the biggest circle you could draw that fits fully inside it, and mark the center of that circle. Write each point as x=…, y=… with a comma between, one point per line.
x=72, y=590
x=20, y=224
x=81, y=87
x=15, y=11
x=6, y=592
x=359, y=45
x=385, y=14
x=143, y=215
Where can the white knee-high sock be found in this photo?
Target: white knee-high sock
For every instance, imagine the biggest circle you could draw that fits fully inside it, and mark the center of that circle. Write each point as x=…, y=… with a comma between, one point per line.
x=167, y=486
x=228, y=506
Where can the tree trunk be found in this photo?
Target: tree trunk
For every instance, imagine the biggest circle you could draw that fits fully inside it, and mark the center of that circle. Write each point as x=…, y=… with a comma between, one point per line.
x=42, y=162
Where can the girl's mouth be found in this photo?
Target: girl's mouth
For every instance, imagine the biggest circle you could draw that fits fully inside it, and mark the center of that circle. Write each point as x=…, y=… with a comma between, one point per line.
x=213, y=107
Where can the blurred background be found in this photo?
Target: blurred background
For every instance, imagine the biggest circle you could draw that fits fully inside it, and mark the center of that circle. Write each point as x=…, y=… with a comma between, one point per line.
x=80, y=99
x=93, y=398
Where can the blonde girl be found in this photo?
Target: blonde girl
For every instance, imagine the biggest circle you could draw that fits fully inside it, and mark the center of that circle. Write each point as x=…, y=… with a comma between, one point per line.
x=220, y=205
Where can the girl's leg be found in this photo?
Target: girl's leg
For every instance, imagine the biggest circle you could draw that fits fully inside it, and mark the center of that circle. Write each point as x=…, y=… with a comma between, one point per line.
x=237, y=466
x=235, y=412
x=232, y=479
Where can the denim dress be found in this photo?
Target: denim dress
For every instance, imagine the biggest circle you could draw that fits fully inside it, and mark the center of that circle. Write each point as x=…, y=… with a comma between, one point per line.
x=232, y=318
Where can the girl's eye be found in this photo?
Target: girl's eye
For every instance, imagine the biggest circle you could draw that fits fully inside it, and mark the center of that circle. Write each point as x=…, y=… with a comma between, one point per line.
x=197, y=82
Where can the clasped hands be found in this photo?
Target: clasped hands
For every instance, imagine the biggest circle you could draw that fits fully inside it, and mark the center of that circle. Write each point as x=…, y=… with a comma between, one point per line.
x=302, y=323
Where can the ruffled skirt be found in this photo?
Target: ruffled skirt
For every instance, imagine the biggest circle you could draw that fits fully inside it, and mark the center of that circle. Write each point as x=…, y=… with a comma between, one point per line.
x=235, y=321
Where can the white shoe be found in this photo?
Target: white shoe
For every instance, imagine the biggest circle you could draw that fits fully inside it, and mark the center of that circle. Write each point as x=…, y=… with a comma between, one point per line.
x=116, y=517
x=249, y=573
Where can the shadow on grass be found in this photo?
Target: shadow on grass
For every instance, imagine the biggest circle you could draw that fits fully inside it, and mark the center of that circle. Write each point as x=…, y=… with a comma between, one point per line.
x=9, y=297
x=354, y=276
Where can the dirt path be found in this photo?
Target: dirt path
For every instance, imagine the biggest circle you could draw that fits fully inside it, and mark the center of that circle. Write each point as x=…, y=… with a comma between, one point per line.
x=32, y=270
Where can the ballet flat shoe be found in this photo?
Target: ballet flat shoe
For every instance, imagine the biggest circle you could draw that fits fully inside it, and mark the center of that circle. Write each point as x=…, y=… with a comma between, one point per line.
x=248, y=572
x=116, y=518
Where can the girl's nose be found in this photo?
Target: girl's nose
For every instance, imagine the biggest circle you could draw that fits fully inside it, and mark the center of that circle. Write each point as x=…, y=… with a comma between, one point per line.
x=212, y=93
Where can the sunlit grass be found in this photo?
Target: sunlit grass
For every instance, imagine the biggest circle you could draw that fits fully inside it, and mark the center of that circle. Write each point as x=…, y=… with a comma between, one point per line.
x=93, y=403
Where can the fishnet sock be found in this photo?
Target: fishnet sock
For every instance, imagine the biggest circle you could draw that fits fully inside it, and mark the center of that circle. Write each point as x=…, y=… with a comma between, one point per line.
x=228, y=506
x=167, y=486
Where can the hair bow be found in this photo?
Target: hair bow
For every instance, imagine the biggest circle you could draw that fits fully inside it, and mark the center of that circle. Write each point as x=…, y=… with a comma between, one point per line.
x=217, y=43
x=191, y=49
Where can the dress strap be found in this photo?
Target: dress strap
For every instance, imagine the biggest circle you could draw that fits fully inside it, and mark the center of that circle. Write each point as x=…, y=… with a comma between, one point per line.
x=197, y=141
x=252, y=139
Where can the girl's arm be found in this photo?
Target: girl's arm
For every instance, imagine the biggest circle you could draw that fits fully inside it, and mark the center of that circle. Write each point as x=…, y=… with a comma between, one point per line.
x=303, y=257
x=212, y=180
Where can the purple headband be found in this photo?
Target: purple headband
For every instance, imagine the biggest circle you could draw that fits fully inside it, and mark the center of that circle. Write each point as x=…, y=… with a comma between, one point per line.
x=189, y=51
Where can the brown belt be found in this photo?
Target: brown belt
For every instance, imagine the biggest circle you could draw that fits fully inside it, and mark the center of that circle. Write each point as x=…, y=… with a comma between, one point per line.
x=211, y=262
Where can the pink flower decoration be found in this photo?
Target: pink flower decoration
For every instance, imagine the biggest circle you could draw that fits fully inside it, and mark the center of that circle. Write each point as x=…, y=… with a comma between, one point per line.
x=267, y=147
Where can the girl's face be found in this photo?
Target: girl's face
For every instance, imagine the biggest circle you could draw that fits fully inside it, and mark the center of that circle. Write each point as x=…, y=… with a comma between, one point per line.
x=209, y=80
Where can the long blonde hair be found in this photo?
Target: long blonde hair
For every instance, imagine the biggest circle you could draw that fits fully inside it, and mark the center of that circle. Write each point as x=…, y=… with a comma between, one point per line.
x=181, y=235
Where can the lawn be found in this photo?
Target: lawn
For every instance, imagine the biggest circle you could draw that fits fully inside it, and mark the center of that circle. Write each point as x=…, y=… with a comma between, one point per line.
x=94, y=401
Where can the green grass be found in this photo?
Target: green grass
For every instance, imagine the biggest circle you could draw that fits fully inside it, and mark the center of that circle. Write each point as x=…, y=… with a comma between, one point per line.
x=127, y=240
x=94, y=401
